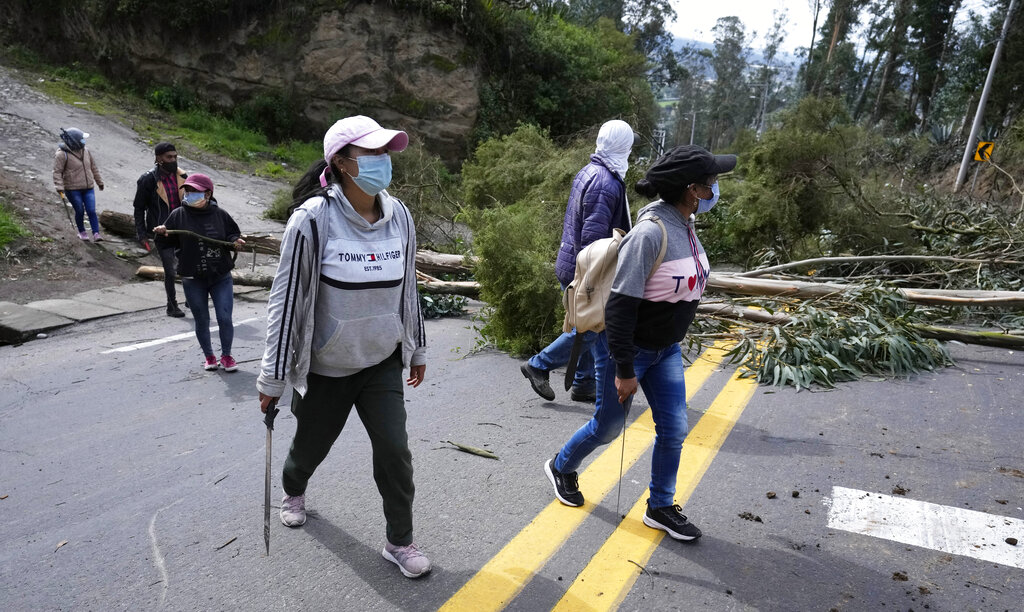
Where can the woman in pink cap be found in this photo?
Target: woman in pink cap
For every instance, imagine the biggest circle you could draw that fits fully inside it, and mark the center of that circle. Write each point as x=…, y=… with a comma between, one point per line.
x=343, y=320
x=204, y=266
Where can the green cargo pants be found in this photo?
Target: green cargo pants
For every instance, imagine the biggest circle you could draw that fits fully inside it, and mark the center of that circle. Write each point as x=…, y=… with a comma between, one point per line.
x=378, y=396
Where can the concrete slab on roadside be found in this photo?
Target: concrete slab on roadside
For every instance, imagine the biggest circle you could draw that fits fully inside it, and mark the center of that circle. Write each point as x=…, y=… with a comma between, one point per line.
x=19, y=323
x=151, y=291
x=74, y=309
x=114, y=297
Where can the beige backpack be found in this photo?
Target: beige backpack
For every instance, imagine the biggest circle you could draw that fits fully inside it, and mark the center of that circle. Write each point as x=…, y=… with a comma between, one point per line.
x=585, y=297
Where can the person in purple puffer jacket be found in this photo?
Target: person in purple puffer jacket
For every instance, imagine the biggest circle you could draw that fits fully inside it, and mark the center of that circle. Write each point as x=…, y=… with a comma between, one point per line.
x=597, y=205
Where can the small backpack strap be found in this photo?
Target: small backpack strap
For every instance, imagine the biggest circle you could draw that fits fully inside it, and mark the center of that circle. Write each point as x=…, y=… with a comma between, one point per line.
x=664, y=242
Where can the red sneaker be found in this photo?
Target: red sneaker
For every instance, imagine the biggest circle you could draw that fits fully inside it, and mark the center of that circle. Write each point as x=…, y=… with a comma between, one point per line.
x=211, y=363
x=228, y=363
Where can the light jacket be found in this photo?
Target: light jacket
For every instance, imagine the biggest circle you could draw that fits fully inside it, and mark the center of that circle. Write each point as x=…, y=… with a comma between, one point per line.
x=293, y=295
x=597, y=205
x=73, y=170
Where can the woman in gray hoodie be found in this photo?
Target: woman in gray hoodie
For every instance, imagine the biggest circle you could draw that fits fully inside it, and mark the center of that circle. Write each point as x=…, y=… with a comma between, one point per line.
x=343, y=320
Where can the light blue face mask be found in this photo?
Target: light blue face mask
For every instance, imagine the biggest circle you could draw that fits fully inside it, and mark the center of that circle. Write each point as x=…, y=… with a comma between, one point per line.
x=193, y=198
x=374, y=173
x=705, y=205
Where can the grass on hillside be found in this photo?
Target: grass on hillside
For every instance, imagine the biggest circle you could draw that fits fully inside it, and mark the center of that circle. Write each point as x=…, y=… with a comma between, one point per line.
x=196, y=127
x=9, y=227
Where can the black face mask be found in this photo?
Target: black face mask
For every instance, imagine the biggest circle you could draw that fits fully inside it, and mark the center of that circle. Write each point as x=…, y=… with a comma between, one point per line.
x=169, y=167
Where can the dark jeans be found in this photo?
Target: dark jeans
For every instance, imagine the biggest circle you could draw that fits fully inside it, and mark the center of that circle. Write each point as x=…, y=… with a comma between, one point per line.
x=220, y=290
x=167, y=259
x=84, y=201
x=378, y=396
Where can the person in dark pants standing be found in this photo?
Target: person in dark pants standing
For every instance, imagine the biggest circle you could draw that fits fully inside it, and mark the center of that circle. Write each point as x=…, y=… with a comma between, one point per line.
x=344, y=319
x=157, y=193
x=205, y=266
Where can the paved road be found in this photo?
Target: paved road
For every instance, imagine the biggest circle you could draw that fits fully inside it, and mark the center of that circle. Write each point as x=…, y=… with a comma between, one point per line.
x=151, y=471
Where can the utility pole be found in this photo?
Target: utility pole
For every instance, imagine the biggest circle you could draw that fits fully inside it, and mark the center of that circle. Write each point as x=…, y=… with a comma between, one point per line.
x=980, y=113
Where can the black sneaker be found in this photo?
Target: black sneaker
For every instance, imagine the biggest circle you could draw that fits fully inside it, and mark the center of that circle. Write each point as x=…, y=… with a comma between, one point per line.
x=538, y=380
x=671, y=520
x=567, y=488
x=582, y=395
x=174, y=311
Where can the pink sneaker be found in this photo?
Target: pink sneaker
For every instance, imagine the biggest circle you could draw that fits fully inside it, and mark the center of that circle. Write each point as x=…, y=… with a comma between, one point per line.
x=409, y=559
x=96, y=237
x=211, y=363
x=83, y=235
x=228, y=363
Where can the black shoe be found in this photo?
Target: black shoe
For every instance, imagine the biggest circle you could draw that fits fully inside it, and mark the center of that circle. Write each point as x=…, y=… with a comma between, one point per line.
x=567, y=488
x=582, y=395
x=538, y=380
x=174, y=311
x=671, y=520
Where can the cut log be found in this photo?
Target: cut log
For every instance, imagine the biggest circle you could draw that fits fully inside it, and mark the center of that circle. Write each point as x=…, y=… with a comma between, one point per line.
x=239, y=275
x=121, y=224
x=749, y=314
x=735, y=285
x=464, y=288
x=986, y=338
x=440, y=263
x=242, y=277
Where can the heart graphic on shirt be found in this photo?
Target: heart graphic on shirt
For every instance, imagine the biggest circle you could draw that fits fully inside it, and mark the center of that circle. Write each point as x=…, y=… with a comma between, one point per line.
x=691, y=282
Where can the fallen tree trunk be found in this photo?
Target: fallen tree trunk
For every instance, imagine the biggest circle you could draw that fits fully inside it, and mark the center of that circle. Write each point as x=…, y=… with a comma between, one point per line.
x=873, y=258
x=443, y=263
x=749, y=314
x=736, y=285
x=121, y=224
x=985, y=338
x=240, y=276
x=251, y=279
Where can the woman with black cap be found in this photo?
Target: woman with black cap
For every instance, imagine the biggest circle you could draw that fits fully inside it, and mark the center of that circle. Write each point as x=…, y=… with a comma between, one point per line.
x=647, y=315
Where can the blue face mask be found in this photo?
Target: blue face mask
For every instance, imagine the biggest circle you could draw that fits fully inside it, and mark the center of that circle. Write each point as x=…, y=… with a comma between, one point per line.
x=193, y=198
x=705, y=205
x=374, y=173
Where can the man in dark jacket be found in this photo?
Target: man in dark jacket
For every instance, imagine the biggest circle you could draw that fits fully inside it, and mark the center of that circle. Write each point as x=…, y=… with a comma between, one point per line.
x=157, y=193
x=597, y=205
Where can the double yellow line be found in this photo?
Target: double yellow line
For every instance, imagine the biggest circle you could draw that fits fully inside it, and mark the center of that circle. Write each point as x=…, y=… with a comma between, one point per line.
x=608, y=577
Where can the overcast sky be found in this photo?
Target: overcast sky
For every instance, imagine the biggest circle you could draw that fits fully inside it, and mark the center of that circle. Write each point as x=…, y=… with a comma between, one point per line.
x=695, y=20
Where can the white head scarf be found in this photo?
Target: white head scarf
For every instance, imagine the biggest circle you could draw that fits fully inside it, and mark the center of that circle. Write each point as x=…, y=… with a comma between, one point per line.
x=614, y=142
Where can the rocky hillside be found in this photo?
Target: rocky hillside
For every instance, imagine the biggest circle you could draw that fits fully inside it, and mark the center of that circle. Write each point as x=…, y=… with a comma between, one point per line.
x=398, y=67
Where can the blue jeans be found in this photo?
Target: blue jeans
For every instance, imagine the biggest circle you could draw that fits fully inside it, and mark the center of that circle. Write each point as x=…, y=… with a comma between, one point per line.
x=220, y=291
x=556, y=355
x=84, y=201
x=661, y=377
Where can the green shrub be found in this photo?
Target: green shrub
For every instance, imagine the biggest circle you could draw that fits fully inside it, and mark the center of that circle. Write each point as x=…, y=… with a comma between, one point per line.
x=437, y=306
x=517, y=188
x=516, y=276
x=796, y=182
x=277, y=115
x=172, y=98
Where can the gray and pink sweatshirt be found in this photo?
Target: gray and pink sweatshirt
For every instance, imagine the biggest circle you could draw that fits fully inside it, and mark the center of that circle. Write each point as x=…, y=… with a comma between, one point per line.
x=654, y=313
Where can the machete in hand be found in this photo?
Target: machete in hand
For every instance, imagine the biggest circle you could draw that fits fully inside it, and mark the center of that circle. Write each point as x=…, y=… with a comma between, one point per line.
x=268, y=420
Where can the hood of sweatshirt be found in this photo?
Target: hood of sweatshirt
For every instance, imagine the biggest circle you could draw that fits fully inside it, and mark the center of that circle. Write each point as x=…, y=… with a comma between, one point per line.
x=357, y=220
